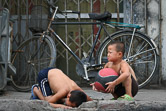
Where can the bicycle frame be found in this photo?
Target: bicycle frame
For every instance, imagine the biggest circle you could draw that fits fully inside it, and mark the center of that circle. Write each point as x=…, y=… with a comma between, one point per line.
x=85, y=65
x=101, y=24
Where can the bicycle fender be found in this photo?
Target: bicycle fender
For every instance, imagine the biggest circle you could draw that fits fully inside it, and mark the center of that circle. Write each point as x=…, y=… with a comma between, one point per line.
x=151, y=40
x=157, y=50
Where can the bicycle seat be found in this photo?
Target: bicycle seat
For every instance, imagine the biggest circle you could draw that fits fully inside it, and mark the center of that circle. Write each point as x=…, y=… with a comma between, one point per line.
x=101, y=17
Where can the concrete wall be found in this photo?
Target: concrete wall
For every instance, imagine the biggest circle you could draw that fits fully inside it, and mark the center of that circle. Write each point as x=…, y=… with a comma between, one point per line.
x=147, y=12
x=152, y=22
x=150, y=14
x=163, y=40
x=153, y=19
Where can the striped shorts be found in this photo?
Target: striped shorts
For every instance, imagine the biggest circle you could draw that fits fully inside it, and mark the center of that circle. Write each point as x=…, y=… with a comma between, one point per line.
x=43, y=82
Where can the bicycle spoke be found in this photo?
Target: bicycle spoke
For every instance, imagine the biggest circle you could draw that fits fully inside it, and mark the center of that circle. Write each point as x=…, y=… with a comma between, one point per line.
x=31, y=73
x=35, y=72
x=42, y=63
x=38, y=60
x=143, y=58
x=142, y=47
x=131, y=42
x=133, y=56
x=47, y=53
x=143, y=62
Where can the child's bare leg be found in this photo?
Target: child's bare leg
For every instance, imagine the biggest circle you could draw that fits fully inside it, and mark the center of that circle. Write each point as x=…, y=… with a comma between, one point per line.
x=127, y=84
x=37, y=92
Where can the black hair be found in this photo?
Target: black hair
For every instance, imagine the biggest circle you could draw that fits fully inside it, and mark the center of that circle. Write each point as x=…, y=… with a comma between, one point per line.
x=77, y=97
x=120, y=47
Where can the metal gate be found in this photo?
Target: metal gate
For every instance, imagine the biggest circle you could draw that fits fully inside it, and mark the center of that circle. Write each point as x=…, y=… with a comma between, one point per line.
x=80, y=37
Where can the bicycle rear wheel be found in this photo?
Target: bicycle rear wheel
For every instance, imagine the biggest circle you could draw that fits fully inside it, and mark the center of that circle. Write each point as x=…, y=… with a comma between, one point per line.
x=32, y=56
x=142, y=56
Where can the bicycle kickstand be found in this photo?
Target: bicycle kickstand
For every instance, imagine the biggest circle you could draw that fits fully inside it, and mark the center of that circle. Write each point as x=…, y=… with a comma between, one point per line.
x=86, y=74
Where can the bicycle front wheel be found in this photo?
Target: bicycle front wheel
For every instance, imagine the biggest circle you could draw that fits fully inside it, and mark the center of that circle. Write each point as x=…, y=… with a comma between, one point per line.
x=140, y=53
x=32, y=56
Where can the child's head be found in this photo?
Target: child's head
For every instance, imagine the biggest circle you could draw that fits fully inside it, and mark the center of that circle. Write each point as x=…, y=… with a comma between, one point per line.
x=116, y=50
x=76, y=98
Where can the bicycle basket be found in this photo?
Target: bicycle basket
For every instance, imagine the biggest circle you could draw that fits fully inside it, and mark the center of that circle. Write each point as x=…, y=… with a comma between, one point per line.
x=39, y=19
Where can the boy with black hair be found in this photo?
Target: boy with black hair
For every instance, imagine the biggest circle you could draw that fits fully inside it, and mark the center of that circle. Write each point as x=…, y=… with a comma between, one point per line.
x=54, y=86
x=125, y=87
x=77, y=97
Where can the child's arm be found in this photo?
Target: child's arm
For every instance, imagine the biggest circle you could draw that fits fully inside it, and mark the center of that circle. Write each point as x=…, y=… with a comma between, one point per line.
x=133, y=73
x=108, y=65
x=58, y=96
x=125, y=73
x=59, y=106
x=93, y=86
x=39, y=94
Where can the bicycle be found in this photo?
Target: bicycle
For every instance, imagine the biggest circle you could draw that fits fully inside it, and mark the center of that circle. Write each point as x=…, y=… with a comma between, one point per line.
x=40, y=52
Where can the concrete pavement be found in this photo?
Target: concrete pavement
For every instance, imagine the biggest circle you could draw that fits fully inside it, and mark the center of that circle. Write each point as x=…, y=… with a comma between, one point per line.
x=146, y=99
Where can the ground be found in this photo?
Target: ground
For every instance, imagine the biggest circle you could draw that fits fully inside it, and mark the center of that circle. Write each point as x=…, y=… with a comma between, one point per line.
x=147, y=99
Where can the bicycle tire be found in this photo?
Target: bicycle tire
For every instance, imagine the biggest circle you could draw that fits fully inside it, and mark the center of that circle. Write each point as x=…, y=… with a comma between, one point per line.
x=32, y=56
x=142, y=58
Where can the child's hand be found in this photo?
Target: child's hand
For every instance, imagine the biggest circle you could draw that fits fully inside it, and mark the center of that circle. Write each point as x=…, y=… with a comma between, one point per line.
x=111, y=87
x=59, y=106
x=93, y=87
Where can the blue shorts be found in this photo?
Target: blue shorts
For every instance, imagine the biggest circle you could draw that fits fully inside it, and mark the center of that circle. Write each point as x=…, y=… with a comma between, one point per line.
x=43, y=82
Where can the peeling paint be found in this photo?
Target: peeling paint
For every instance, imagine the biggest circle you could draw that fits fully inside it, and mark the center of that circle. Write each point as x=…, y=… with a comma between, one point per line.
x=150, y=18
x=163, y=36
